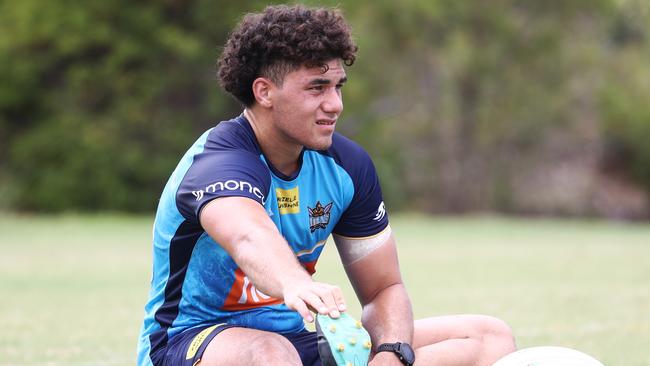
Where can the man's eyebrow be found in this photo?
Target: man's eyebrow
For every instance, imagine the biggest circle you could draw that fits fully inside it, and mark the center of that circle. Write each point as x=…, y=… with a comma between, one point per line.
x=326, y=81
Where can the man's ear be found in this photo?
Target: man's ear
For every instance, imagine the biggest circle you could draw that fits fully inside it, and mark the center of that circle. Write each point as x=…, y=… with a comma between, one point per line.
x=263, y=91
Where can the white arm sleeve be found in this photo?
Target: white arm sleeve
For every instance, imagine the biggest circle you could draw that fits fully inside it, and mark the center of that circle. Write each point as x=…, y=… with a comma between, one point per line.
x=353, y=249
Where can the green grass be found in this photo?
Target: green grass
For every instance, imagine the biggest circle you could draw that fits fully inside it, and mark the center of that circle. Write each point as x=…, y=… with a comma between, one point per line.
x=73, y=288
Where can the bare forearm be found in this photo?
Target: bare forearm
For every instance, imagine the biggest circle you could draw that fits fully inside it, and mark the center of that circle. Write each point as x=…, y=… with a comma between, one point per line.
x=389, y=317
x=268, y=261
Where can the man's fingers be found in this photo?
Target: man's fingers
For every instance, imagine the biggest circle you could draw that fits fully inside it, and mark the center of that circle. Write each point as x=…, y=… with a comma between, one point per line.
x=298, y=305
x=338, y=297
x=313, y=299
x=320, y=297
x=333, y=298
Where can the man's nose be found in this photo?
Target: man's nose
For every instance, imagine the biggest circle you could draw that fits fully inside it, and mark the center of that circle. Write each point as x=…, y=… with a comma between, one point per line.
x=333, y=102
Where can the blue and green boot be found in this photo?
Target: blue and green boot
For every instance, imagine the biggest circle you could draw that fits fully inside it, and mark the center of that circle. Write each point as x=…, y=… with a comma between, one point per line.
x=342, y=341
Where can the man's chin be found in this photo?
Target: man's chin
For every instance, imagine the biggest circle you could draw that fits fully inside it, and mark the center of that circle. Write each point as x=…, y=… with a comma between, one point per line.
x=320, y=145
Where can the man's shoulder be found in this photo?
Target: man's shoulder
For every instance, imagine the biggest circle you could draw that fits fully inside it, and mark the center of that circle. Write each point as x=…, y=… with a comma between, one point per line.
x=233, y=134
x=230, y=146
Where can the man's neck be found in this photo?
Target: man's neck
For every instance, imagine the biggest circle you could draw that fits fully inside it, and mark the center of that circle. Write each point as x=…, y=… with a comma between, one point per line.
x=281, y=153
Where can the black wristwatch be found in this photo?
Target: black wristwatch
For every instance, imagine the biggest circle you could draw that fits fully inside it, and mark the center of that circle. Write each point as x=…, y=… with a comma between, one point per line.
x=403, y=351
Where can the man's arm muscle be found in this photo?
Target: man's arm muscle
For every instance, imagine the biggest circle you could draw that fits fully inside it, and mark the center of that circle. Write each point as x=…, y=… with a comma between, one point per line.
x=376, y=279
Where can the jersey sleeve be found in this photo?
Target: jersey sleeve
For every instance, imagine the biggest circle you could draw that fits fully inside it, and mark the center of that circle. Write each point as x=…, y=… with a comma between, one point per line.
x=220, y=174
x=366, y=213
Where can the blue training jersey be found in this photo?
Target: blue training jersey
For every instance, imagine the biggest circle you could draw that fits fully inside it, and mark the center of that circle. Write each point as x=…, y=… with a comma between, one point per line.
x=195, y=282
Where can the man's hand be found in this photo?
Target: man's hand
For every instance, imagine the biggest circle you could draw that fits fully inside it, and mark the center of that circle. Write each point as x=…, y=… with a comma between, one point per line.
x=316, y=296
x=385, y=359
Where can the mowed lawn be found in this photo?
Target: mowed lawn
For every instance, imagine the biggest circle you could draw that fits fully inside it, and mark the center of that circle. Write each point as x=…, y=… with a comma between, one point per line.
x=72, y=288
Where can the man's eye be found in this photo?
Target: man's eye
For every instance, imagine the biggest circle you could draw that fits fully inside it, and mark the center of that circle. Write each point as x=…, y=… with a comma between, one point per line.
x=317, y=88
x=339, y=86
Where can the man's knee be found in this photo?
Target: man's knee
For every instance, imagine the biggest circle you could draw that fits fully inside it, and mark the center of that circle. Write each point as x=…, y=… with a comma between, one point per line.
x=273, y=350
x=495, y=330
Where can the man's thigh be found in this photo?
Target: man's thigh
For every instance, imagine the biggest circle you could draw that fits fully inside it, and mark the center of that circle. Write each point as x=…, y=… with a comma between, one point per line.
x=239, y=346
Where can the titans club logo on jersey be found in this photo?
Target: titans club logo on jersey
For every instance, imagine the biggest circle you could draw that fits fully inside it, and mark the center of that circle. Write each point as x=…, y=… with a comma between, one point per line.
x=319, y=216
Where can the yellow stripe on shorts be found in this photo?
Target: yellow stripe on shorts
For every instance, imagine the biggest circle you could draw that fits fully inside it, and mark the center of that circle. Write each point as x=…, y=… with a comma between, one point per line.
x=198, y=340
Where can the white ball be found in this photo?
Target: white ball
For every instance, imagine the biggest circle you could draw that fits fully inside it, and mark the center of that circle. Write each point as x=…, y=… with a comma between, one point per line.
x=547, y=356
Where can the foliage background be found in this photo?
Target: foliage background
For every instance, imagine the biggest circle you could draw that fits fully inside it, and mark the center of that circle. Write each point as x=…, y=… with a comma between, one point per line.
x=525, y=107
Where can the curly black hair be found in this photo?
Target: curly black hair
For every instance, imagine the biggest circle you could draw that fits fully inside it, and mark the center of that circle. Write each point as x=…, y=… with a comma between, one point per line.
x=279, y=40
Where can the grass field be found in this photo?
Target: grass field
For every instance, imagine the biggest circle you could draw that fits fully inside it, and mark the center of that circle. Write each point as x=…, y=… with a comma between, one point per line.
x=72, y=288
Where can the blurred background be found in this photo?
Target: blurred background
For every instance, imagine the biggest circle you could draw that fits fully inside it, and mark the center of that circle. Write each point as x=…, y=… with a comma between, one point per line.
x=517, y=107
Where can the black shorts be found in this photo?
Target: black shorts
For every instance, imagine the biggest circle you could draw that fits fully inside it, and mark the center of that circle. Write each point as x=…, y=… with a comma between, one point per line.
x=187, y=348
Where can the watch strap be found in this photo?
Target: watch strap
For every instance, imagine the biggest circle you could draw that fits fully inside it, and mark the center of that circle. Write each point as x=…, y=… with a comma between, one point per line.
x=387, y=347
x=403, y=351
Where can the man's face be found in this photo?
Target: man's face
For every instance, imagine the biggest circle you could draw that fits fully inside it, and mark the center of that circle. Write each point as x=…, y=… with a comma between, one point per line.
x=306, y=107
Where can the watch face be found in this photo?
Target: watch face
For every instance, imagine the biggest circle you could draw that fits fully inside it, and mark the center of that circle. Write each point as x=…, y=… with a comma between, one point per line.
x=407, y=353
